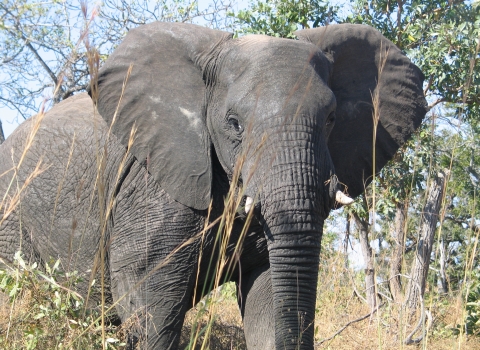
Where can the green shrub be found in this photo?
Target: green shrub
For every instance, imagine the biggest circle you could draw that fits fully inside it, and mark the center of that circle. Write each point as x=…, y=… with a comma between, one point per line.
x=44, y=312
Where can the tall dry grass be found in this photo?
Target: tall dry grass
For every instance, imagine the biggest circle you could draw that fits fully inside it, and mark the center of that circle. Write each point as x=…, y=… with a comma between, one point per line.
x=343, y=319
x=40, y=299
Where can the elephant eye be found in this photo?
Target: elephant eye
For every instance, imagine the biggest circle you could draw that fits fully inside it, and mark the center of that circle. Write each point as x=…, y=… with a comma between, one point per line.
x=331, y=119
x=233, y=122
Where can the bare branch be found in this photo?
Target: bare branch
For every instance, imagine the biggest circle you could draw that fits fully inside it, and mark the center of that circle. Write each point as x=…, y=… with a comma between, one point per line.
x=438, y=101
x=42, y=62
x=11, y=103
x=11, y=58
x=69, y=92
x=409, y=339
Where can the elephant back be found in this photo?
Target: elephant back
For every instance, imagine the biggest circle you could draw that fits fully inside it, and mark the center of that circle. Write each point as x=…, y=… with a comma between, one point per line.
x=67, y=170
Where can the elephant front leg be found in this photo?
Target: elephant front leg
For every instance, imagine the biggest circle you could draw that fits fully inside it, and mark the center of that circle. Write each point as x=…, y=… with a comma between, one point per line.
x=255, y=300
x=153, y=300
x=152, y=261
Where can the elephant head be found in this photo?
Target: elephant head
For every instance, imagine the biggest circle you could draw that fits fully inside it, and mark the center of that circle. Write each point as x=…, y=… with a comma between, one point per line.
x=299, y=111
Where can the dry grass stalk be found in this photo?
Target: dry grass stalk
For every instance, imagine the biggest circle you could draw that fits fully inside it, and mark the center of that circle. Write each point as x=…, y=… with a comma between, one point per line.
x=335, y=301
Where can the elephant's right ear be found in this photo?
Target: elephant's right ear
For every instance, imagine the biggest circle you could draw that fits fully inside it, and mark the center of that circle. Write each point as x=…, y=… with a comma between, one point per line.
x=163, y=99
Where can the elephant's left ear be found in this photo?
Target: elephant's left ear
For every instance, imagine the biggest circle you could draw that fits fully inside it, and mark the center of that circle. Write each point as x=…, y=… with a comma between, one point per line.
x=163, y=100
x=371, y=79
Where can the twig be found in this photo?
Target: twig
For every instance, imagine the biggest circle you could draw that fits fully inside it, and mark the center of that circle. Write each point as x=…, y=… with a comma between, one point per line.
x=348, y=324
x=2, y=137
x=355, y=291
x=430, y=81
x=438, y=101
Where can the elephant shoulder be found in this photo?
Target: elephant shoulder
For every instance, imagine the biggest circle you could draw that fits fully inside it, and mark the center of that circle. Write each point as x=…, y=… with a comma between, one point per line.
x=71, y=131
x=75, y=114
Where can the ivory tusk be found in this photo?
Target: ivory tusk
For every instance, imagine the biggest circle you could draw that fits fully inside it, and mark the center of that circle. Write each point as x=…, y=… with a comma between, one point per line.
x=248, y=204
x=341, y=198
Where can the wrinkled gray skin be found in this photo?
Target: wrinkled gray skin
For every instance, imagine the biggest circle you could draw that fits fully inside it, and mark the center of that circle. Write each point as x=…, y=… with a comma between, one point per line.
x=300, y=112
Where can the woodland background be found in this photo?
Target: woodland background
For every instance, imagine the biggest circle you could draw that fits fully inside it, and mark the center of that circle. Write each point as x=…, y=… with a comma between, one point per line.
x=399, y=267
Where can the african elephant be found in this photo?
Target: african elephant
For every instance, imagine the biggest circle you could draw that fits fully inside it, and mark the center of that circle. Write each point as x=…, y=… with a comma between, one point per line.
x=301, y=114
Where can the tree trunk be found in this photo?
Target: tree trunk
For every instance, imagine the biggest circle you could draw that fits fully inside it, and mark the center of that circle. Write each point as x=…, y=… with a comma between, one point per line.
x=2, y=137
x=368, y=259
x=396, y=259
x=421, y=263
x=443, y=267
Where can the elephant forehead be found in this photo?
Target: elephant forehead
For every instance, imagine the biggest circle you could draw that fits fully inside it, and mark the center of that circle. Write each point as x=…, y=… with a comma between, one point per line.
x=262, y=51
x=268, y=76
x=273, y=68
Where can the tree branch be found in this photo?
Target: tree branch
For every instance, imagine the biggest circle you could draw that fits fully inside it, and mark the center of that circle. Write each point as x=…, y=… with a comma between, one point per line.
x=42, y=62
x=69, y=92
x=11, y=58
x=408, y=340
x=430, y=81
x=30, y=46
x=440, y=100
x=14, y=105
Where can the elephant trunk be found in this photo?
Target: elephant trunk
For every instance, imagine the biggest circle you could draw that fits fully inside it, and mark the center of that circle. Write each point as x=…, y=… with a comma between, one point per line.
x=294, y=273
x=295, y=201
x=294, y=235
x=294, y=182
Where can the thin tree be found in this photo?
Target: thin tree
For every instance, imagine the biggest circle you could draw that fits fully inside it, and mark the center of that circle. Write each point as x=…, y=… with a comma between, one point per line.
x=363, y=227
x=398, y=237
x=430, y=215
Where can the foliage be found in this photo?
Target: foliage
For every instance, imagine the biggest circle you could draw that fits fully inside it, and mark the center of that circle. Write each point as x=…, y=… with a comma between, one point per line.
x=281, y=18
x=442, y=37
x=472, y=319
x=42, y=49
x=45, y=312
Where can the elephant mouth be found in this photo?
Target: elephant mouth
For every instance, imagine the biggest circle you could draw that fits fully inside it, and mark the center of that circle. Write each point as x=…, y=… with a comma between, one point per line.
x=337, y=196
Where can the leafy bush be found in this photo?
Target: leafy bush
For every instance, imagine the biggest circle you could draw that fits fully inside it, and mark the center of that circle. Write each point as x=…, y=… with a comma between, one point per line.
x=45, y=313
x=472, y=318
